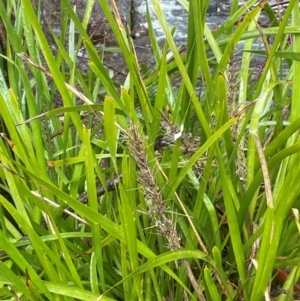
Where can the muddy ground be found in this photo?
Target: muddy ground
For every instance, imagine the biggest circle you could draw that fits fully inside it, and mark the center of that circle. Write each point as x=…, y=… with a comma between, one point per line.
x=100, y=32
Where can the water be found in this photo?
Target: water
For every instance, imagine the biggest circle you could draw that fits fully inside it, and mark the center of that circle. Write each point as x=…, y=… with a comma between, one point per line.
x=99, y=29
x=175, y=15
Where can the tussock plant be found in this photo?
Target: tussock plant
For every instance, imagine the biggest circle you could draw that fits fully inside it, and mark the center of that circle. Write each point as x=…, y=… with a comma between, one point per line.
x=138, y=169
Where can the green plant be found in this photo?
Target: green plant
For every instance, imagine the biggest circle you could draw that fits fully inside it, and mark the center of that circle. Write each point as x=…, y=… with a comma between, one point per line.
x=125, y=196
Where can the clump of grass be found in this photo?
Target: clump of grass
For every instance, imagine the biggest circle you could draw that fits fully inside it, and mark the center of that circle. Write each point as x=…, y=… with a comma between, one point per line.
x=122, y=193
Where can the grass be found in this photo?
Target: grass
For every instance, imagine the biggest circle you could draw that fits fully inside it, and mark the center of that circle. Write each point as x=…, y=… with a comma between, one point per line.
x=145, y=190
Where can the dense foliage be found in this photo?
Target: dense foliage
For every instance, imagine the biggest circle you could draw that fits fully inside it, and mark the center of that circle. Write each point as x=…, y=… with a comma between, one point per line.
x=149, y=189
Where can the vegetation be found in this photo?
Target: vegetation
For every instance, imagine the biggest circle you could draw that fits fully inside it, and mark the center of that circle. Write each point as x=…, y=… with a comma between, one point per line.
x=140, y=195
